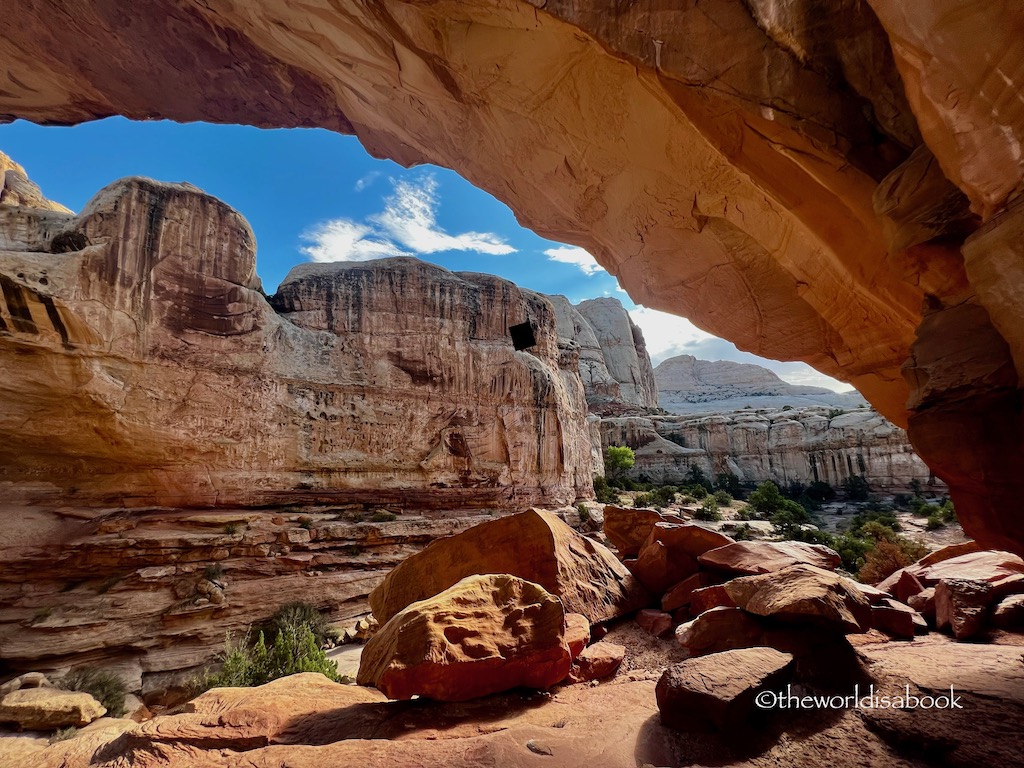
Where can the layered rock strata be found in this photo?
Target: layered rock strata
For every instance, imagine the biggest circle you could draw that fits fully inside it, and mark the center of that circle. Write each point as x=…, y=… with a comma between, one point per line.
x=785, y=446
x=145, y=366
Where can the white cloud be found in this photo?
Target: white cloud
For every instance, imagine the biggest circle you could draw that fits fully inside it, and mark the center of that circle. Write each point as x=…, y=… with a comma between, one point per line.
x=571, y=254
x=410, y=218
x=667, y=335
x=406, y=227
x=346, y=240
x=367, y=180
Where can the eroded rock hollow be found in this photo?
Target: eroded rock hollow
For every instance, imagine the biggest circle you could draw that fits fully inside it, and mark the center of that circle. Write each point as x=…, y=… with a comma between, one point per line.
x=804, y=179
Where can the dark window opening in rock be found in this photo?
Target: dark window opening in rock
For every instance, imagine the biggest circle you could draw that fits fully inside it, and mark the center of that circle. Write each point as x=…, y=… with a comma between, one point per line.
x=523, y=336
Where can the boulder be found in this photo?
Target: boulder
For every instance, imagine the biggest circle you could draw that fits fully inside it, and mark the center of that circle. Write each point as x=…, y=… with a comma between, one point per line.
x=681, y=594
x=597, y=661
x=896, y=619
x=987, y=565
x=627, y=528
x=753, y=557
x=657, y=623
x=901, y=584
x=962, y=605
x=533, y=545
x=719, y=688
x=948, y=552
x=706, y=598
x=804, y=594
x=658, y=566
x=1009, y=613
x=689, y=538
x=924, y=603
x=719, y=629
x=577, y=633
x=488, y=633
x=46, y=709
x=27, y=680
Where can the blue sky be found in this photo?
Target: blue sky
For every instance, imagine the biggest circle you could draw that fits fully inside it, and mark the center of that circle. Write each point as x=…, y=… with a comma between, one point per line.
x=315, y=195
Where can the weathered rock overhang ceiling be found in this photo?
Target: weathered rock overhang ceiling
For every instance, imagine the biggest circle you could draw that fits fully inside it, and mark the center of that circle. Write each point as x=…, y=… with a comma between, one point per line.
x=798, y=177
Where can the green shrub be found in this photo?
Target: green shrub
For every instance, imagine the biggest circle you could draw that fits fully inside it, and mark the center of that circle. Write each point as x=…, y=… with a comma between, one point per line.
x=724, y=498
x=856, y=488
x=231, y=528
x=63, y=734
x=383, y=516
x=888, y=556
x=934, y=522
x=299, y=614
x=583, y=512
x=106, y=687
x=728, y=482
x=293, y=650
x=306, y=522
x=708, y=510
x=743, y=533
x=213, y=572
x=646, y=500
x=604, y=492
x=695, y=476
x=696, y=491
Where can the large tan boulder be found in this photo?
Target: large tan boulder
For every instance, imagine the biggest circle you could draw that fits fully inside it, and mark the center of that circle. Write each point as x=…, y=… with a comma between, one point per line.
x=719, y=688
x=804, y=594
x=488, y=633
x=987, y=565
x=752, y=557
x=532, y=545
x=44, y=709
x=719, y=629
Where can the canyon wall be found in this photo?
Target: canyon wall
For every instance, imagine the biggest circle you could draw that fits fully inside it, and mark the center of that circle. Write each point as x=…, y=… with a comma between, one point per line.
x=786, y=446
x=143, y=365
x=801, y=179
x=614, y=365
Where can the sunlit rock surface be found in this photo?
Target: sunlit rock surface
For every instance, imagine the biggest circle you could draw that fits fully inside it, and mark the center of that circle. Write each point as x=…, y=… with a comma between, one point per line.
x=147, y=367
x=757, y=167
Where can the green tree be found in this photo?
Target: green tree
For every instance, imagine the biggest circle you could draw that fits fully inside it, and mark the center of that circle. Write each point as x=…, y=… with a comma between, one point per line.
x=708, y=510
x=617, y=460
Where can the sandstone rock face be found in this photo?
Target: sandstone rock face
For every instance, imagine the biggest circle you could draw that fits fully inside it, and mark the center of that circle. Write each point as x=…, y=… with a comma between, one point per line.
x=533, y=545
x=758, y=154
x=483, y=635
x=800, y=445
x=175, y=381
x=720, y=687
x=623, y=355
x=46, y=709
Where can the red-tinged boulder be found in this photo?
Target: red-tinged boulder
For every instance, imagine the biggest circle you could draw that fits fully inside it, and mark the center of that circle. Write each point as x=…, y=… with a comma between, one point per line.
x=753, y=557
x=896, y=619
x=689, y=538
x=658, y=567
x=987, y=565
x=1008, y=613
x=901, y=584
x=924, y=603
x=680, y=595
x=577, y=633
x=657, y=623
x=804, y=594
x=1011, y=585
x=597, y=661
x=486, y=634
x=948, y=552
x=533, y=545
x=872, y=593
x=962, y=605
x=719, y=629
x=711, y=596
x=720, y=689
x=627, y=528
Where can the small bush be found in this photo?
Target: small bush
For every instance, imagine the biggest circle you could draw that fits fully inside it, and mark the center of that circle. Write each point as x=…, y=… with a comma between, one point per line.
x=888, y=556
x=299, y=614
x=724, y=498
x=646, y=500
x=383, y=516
x=213, y=572
x=743, y=533
x=696, y=491
x=708, y=511
x=106, y=687
x=231, y=528
x=63, y=734
x=856, y=488
x=583, y=512
x=695, y=476
x=604, y=492
x=294, y=650
x=306, y=522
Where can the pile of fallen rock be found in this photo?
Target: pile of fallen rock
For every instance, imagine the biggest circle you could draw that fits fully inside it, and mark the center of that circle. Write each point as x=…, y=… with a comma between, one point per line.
x=32, y=703
x=523, y=601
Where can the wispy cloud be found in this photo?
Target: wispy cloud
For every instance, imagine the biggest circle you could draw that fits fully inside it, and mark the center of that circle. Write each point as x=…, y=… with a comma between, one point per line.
x=578, y=257
x=367, y=180
x=406, y=227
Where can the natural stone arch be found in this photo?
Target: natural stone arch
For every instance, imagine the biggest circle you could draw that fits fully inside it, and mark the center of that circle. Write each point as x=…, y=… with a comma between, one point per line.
x=722, y=159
